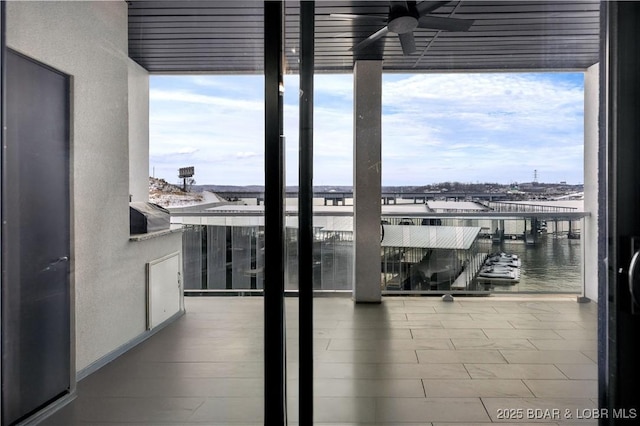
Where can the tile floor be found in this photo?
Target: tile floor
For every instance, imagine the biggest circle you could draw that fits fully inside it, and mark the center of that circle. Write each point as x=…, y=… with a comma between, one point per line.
x=408, y=361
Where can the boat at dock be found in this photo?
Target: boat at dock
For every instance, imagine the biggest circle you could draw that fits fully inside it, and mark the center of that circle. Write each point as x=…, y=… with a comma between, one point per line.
x=503, y=259
x=500, y=268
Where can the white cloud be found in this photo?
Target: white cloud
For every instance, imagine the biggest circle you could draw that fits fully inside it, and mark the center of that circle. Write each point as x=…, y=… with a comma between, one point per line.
x=465, y=127
x=250, y=154
x=193, y=98
x=487, y=127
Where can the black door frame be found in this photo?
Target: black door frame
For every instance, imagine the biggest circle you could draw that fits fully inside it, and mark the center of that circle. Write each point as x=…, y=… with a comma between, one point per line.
x=3, y=46
x=275, y=394
x=618, y=312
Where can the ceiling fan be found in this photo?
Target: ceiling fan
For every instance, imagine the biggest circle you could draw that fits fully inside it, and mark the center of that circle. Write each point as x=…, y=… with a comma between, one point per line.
x=403, y=18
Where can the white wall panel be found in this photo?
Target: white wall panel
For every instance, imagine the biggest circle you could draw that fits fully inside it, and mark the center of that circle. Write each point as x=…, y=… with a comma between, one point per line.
x=164, y=289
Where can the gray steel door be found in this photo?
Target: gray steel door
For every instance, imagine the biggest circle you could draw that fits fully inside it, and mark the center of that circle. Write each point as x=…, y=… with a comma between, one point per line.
x=36, y=248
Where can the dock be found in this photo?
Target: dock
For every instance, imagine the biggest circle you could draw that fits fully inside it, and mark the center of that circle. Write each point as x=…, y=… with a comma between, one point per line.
x=469, y=273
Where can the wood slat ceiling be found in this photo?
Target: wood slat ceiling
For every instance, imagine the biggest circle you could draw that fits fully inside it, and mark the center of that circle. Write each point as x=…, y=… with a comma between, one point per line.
x=181, y=36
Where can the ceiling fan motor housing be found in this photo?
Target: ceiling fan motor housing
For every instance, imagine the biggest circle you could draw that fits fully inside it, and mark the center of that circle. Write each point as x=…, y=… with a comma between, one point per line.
x=402, y=19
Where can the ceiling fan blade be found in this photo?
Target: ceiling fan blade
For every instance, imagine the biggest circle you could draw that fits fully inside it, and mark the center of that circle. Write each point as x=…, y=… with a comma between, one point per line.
x=351, y=17
x=371, y=39
x=429, y=6
x=446, y=24
x=408, y=43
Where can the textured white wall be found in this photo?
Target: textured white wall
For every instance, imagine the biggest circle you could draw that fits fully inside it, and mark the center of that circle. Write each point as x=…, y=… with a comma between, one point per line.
x=138, y=132
x=591, y=138
x=367, y=172
x=88, y=40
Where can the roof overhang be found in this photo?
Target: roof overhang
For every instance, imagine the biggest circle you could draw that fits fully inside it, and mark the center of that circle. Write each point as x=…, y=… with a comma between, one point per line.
x=434, y=237
x=226, y=37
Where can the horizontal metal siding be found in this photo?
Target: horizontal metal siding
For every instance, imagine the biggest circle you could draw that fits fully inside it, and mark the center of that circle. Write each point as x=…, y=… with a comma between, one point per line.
x=226, y=37
x=435, y=237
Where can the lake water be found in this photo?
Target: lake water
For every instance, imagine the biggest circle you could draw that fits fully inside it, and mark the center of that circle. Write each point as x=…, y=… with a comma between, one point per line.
x=551, y=265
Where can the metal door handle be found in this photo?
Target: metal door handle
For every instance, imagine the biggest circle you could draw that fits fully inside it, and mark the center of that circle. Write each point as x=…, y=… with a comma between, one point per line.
x=56, y=262
x=632, y=271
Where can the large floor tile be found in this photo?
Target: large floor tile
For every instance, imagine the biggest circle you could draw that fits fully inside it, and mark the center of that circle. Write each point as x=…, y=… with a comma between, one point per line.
x=460, y=356
x=545, y=357
x=546, y=325
x=465, y=307
x=423, y=371
x=416, y=324
x=205, y=354
x=176, y=387
x=415, y=308
x=522, y=334
x=389, y=371
x=591, y=354
x=229, y=410
x=511, y=317
x=527, y=307
x=448, y=334
x=555, y=344
x=345, y=410
x=387, y=344
x=475, y=388
x=438, y=317
x=373, y=364
x=355, y=388
x=135, y=410
x=561, y=388
x=492, y=344
x=579, y=334
x=579, y=371
x=403, y=356
x=503, y=324
x=567, y=316
x=375, y=334
x=514, y=371
x=401, y=410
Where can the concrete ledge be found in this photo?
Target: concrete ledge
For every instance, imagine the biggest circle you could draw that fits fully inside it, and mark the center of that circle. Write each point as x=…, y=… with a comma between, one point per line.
x=152, y=235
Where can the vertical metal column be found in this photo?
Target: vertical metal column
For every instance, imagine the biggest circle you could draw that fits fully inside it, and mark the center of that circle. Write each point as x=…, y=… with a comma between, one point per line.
x=305, y=212
x=275, y=409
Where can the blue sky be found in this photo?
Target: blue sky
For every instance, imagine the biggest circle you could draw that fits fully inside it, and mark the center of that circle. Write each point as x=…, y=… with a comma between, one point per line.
x=435, y=127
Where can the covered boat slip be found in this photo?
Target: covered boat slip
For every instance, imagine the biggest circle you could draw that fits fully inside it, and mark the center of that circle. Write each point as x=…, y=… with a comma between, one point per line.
x=423, y=258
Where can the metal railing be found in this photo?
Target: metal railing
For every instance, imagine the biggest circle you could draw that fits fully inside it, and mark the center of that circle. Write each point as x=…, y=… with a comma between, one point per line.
x=506, y=207
x=223, y=253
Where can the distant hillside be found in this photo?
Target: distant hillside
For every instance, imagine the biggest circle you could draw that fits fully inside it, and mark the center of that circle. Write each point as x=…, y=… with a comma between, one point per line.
x=165, y=194
x=228, y=188
x=260, y=188
x=533, y=188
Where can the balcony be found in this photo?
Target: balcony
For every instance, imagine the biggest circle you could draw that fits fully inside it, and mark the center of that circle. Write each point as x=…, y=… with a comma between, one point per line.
x=407, y=360
x=423, y=250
